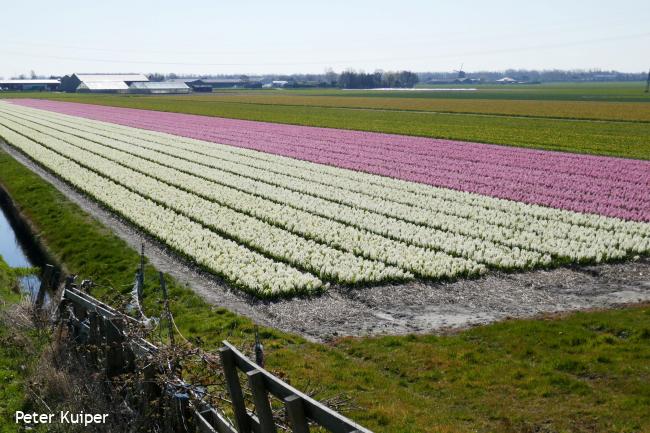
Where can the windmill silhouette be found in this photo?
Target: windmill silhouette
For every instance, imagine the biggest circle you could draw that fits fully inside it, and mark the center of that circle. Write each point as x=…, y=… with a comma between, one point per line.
x=460, y=72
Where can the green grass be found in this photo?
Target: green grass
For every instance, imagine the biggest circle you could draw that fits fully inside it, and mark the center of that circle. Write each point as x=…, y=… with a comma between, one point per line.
x=611, y=92
x=18, y=351
x=584, y=372
x=328, y=108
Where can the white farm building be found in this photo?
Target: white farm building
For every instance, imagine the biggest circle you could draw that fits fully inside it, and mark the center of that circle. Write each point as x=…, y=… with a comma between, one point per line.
x=159, y=87
x=100, y=83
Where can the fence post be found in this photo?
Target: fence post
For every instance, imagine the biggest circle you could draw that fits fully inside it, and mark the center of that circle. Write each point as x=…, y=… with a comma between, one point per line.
x=182, y=404
x=48, y=274
x=296, y=414
x=259, y=349
x=168, y=314
x=234, y=389
x=119, y=358
x=94, y=323
x=261, y=399
x=140, y=276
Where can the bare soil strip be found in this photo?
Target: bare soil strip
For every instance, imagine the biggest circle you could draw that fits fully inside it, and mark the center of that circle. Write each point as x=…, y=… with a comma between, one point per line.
x=418, y=307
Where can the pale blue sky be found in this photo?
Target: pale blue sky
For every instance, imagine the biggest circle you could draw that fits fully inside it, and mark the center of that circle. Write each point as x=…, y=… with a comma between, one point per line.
x=200, y=36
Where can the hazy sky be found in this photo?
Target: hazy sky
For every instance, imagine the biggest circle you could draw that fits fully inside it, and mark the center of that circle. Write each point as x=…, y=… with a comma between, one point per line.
x=201, y=36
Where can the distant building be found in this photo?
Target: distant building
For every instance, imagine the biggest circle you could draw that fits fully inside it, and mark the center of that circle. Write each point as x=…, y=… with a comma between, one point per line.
x=160, y=87
x=279, y=83
x=605, y=77
x=102, y=87
x=101, y=83
x=458, y=80
x=36, y=84
x=192, y=82
x=223, y=83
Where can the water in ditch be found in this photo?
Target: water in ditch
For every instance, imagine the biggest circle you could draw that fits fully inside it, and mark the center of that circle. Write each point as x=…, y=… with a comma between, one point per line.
x=17, y=250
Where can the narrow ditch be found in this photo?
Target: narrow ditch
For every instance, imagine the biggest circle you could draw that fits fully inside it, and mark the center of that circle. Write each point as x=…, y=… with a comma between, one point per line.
x=20, y=248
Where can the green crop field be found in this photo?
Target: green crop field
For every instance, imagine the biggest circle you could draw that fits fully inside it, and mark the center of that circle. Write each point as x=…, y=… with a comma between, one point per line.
x=588, y=110
x=604, y=119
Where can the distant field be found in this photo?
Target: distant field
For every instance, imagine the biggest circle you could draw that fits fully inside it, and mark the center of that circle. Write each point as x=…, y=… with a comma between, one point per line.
x=606, y=119
x=624, y=111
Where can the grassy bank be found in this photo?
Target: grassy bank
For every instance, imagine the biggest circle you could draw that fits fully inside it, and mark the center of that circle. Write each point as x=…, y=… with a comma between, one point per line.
x=584, y=372
x=538, y=117
x=18, y=351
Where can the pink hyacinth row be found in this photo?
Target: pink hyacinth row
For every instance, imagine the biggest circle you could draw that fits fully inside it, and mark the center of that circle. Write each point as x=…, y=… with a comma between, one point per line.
x=607, y=186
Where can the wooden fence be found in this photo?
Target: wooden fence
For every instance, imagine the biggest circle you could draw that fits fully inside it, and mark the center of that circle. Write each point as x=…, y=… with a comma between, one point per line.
x=93, y=322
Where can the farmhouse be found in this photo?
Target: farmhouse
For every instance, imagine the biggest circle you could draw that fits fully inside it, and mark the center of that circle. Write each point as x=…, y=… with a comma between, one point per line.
x=37, y=84
x=279, y=83
x=163, y=87
x=100, y=83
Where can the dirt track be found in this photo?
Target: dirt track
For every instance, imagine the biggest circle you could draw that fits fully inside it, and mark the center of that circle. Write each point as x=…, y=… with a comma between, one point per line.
x=396, y=309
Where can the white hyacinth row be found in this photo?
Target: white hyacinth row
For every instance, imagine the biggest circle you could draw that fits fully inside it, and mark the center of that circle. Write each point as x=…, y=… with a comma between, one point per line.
x=479, y=250
x=531, y=223
x=239, y=265
x=485, y=208
x=328, y=263
x=424, y=262
x=431, y=232
x=596, y=244
x=591, y=246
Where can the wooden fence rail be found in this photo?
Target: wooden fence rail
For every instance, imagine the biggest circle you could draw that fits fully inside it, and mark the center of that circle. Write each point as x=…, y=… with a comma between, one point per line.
x=94, y=322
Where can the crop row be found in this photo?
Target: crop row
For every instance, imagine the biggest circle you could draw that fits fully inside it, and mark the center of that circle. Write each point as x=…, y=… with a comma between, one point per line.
x=484, y=208
x=507, y=226
x=328, y=263
x=477, y=249
x=423, y=262
x=320, y=226
x=605, y=245
x=606, y=186
x=239, y=265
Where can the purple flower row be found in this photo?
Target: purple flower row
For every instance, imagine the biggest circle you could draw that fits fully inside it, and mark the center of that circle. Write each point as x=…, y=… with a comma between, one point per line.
x=601, y=185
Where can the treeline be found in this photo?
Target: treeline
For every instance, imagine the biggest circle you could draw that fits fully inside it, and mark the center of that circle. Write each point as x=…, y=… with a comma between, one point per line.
x=351, y=79
x=361, y=80
x=346, y=80
x=532, y=75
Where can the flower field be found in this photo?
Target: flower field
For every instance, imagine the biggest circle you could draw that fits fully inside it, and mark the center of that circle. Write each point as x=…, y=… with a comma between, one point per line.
x=582, y=183
x=279, y=209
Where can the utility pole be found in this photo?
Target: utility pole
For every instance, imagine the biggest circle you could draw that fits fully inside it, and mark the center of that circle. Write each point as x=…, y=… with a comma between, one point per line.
x=647, y=83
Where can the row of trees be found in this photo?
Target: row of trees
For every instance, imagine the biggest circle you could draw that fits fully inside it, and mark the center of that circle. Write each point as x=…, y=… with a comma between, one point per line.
x=361, y=80
x=533, y=75
x=347, y=80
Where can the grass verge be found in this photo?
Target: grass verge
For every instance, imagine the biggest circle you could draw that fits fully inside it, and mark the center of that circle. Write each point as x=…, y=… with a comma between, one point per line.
x=19, y=350
x=583, y=372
